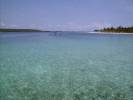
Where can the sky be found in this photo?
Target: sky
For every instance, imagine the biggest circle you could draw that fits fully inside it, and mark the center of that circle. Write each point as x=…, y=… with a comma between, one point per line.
x=65, y=15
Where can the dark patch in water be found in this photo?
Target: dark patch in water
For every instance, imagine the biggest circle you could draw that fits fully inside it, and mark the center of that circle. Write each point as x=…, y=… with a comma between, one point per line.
x=131, y=88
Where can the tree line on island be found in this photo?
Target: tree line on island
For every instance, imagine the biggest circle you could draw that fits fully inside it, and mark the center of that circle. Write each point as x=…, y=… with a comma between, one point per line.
x=119, y=29
x=20, y=30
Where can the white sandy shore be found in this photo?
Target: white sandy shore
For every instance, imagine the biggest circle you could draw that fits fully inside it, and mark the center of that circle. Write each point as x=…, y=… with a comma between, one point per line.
x=109, y=33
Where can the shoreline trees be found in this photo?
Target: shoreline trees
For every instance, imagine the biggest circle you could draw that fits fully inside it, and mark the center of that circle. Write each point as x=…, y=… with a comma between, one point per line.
x=117, y=29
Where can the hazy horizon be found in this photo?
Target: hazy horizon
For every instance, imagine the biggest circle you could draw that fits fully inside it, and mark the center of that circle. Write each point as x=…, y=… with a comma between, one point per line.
x=65, y=15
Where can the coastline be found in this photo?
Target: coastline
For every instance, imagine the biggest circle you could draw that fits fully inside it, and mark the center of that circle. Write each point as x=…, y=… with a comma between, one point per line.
x=117, y=33
x=19, y=30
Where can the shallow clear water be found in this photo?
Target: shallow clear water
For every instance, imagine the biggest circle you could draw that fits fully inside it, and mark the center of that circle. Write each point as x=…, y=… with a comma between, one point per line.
x=66, y=66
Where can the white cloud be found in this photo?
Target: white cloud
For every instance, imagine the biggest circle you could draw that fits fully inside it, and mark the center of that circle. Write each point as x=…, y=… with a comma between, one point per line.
x=99, y=25
x=71, y=26
x=15, y=26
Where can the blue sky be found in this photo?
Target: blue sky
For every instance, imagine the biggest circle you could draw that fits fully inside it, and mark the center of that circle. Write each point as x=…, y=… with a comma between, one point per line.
x=76, y=15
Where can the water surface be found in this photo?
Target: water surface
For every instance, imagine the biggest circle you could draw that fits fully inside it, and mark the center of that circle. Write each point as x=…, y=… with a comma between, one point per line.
x=66, y=66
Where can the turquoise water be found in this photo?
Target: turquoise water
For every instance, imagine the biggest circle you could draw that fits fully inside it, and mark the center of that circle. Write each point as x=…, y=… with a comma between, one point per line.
x=66, y=66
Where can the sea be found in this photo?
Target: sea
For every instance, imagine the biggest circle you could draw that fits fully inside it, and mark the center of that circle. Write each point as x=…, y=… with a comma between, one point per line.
x=66, y=66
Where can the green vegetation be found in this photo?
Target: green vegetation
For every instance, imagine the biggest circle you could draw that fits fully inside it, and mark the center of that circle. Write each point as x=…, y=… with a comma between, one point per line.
x=19, y=30
x=119, y=29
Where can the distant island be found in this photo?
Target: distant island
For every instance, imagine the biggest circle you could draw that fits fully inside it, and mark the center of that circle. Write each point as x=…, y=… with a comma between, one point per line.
x=20, y=30
x=119, y=29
